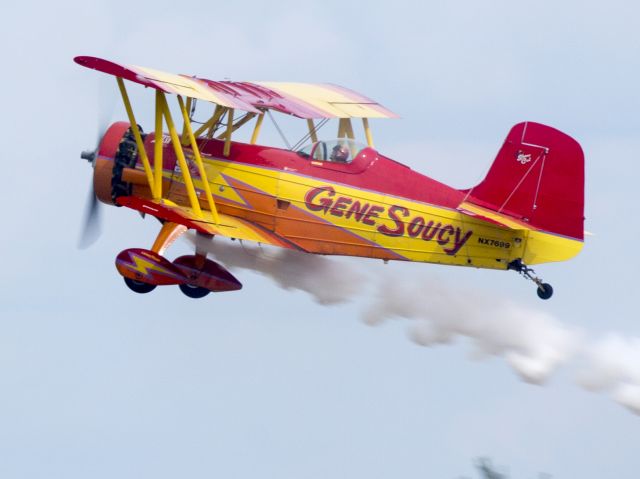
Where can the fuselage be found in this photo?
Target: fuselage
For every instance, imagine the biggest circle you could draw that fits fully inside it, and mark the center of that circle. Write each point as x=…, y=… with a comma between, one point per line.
x=371, y=207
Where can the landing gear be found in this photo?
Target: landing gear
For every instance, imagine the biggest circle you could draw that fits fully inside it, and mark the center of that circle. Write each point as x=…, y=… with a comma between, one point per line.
x=195, y=292
x=196, y=275
x=139, y=286
x=544, y=290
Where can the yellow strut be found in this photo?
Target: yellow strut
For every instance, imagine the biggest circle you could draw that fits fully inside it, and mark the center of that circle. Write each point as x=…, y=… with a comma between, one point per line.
x=312, y=130
x=246, y=119
x=184, y=131
x=256, y=129
x=227, y=140
x=210, y=122
x=345, y=130
x=348, y=129
x=367, y=132
x=341, y=128
x=218, y=113
x=157, y=148
x=136, y=134
x=196, y=153
x=177, y=147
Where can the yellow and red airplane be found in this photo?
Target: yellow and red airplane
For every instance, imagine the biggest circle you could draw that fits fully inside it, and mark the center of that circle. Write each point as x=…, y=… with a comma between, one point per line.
x=334, y=196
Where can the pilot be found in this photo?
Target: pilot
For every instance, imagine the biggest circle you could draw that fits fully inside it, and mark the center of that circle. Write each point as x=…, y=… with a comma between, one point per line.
x=339, y=154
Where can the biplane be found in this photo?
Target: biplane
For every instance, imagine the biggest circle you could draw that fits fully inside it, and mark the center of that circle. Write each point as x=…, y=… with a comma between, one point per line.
x=332, y=194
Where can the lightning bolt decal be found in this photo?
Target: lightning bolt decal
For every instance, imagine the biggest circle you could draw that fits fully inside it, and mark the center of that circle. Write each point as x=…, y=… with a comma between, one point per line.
x=146, y=265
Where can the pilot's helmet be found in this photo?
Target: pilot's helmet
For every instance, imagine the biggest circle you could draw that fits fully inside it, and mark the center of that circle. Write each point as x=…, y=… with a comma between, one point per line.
x=340, y=153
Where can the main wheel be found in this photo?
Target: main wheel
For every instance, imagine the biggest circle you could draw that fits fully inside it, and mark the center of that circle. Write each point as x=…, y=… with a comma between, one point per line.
x=544, y=290
x=139, y=286
x=195, y=292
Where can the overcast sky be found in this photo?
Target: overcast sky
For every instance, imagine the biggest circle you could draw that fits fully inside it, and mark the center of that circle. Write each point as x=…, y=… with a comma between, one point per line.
x=96, y=381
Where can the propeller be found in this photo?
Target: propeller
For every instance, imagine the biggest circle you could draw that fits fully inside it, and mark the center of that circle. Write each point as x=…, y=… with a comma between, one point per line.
x=91, y=226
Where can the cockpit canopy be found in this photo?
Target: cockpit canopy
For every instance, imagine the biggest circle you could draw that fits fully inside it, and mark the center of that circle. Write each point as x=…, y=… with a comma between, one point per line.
x=340, y=150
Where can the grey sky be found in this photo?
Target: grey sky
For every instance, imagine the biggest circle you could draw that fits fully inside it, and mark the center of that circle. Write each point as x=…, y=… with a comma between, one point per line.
x=98, y=382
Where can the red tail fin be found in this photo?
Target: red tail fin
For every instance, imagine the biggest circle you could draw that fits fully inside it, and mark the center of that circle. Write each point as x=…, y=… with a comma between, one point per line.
x=537, y=177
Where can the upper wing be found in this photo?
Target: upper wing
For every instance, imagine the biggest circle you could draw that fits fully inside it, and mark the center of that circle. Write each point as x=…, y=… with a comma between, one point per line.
x=304, y=100
x=330, y=101
x=229, y=226
x=166, y=82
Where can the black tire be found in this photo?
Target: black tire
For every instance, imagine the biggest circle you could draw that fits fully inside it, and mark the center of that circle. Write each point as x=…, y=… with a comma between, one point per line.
x=138, y=286
x=544, y=290
x=195, y=292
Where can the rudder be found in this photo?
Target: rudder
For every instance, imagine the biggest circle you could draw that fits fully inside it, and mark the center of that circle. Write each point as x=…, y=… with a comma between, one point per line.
x=537, y=178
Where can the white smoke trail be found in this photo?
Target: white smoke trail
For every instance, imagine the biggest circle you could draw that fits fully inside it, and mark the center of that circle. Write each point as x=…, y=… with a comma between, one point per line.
x=330, y=282
x=532, y=342
x=613, y=365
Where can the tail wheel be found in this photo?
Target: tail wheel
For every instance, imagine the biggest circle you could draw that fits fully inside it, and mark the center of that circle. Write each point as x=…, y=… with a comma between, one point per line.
x=545, y=291
x=139, y=286
x=195, y=292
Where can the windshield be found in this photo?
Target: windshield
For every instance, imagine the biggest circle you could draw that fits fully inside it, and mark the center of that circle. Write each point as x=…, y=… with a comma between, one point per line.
x=341, y=150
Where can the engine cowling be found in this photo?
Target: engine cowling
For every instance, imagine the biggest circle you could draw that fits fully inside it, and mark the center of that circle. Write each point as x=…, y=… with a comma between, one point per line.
x=114, y=171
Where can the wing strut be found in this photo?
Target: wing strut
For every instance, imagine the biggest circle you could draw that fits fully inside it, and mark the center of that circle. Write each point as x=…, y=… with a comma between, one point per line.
x=158, y=147
x=211, y=122
x=367, y=132
x=227, y=140
x=177, y=148
x=256, y=129
x=312, y=130
x=245, y=119
x=345, y=129
x=154, y=176
x=196, y=153
x=136, y=134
